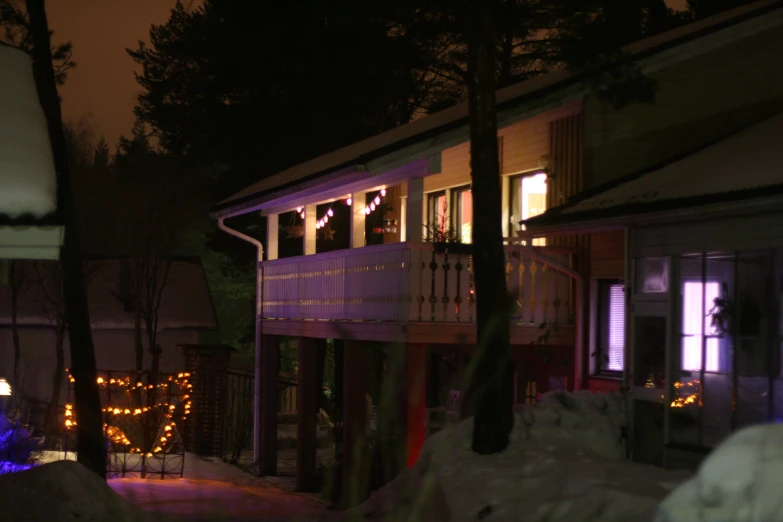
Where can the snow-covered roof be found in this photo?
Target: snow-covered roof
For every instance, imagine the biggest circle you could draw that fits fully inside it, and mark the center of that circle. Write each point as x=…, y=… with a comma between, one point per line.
x=28, y=186
x=355, y=157
x=746, y=164
x=186, y=300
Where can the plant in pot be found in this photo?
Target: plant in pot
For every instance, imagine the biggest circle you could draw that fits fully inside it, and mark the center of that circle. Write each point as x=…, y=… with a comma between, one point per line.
x=445, y=237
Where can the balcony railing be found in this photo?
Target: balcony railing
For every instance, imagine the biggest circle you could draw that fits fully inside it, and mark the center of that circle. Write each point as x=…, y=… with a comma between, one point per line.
x=408, y=282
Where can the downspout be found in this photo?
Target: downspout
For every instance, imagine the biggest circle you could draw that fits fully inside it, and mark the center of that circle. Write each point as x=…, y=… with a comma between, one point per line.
x=579, y=283
x=259, y=294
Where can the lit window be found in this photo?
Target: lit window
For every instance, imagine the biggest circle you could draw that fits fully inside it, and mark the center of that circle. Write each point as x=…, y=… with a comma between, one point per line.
x=612, y=333
x=528, y=199
x=696, y=326
x=437, y=220
x=463, y=213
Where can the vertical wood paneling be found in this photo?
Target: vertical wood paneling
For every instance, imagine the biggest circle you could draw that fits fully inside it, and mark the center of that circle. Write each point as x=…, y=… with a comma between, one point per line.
x=566, y=150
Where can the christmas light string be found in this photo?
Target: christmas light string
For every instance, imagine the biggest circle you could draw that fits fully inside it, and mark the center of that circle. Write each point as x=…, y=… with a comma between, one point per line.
x=115, y=434
x=320, y=223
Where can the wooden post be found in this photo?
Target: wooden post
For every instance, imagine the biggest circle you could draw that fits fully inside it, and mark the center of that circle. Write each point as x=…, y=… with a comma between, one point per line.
x=269, y=368
x=272, y=234
x=307, y=409
x=414, y=224
x=416, y=387
x=358, y=219
x=355, y=477
x=309, y=230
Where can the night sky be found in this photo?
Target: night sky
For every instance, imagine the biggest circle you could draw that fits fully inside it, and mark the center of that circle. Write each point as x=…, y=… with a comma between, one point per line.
x=102, y=87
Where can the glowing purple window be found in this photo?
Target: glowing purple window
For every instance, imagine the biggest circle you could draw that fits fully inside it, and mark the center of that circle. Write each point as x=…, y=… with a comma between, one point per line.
x=697, y=299
x=616, y=341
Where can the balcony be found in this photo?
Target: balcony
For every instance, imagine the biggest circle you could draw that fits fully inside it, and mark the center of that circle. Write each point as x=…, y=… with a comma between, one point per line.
x=414, y=285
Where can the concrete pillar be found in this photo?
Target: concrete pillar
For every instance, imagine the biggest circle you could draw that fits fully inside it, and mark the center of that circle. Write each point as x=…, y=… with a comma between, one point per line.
x=309, y=230
x=272, y=235
x=307, y=409
x=355, y=479
x=416, y=385
x=414, y=210
x=358, y=219
x=270, y=356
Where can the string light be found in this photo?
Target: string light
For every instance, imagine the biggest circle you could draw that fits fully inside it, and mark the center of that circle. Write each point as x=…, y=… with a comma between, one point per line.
x=375, y=203
x=115, y=435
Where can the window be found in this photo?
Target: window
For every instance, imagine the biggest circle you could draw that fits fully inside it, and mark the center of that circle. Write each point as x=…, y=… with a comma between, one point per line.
x=611, y=340
x=528, y=199
x=697, y=299
x=437, y=219
x=463, y=213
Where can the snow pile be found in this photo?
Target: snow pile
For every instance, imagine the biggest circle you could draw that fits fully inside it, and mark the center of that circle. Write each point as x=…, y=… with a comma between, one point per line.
x=564, y=463
x=27, y=174
x=738, y=482
x=62, y=492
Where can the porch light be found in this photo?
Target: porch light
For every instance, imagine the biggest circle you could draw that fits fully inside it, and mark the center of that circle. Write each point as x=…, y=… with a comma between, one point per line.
x=5, y=388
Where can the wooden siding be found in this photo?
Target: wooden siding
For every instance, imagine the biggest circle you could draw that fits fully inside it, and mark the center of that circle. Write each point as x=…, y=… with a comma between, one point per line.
x=607, y=255
x=697, y=101
x=521, y=146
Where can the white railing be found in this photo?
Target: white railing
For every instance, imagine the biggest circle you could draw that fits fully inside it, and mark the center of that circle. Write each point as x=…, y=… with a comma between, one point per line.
x=408, y=282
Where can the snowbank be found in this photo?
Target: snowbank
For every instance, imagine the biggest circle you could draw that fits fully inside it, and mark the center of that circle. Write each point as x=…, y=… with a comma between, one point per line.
x=27, y=175
x=564, y=463
x=62, y=492
x=738, y=482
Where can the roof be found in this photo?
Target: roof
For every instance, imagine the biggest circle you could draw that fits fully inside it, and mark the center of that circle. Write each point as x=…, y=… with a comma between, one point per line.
x=27, y=173
x=355, y=157
x=746, y=165
x=186, y=301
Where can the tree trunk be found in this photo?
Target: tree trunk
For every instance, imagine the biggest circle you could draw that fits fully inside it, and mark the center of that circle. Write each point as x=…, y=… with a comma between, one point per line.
x=138, y=343
x=492, y=384
x=57, y=380
x=16, y=276
x=90, y=447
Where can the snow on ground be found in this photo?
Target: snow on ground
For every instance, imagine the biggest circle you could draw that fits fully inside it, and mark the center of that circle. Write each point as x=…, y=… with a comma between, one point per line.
x=564, y=463
x=62, y=492
x=738, y=482
x=211, y=487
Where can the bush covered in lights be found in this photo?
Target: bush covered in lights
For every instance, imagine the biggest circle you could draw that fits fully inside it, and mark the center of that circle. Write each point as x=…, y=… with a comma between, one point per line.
x=141, y=418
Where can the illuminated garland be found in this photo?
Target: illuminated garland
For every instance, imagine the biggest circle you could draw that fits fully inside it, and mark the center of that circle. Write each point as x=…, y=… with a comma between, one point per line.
x=375, y=203
x=115, y=434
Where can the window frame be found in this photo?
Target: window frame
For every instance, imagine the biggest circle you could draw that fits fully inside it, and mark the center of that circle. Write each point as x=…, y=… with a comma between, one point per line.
x=455, y=216
x=432, y=215
x=704, y=336
x=513, y=219
x=603, y=328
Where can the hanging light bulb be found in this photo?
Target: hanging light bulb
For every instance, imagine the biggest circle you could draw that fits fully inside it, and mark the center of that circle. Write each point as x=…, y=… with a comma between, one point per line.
x=377, y=200
x=326, y=219
x=318, y=225
x=372, y=206
x=302, y=214
x=367, y=210
x=348, y=201
x=383, y=192
x=330, y=213
x=299, y=210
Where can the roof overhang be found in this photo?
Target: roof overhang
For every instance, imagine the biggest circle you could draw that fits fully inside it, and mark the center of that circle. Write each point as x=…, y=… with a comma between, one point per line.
x=586, y=223
x=31, y=242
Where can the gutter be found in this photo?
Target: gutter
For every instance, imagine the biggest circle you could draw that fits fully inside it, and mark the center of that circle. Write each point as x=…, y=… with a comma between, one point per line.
x=257, y=356
x=579, y=280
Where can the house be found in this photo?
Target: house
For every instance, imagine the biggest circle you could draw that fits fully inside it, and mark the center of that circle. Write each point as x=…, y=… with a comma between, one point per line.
x=30, y=227
x=185, y=317
x=347, y=255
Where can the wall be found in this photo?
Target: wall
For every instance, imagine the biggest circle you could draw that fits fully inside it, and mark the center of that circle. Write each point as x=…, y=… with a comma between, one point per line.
x=697, y=102
x=607, y=255
x=522, y=144
x=113, y=351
